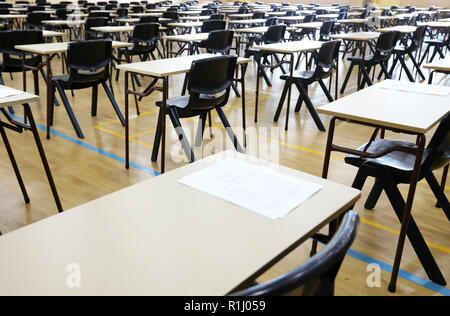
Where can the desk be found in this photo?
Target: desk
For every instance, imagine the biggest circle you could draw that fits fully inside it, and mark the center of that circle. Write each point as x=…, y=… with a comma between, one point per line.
x=161, y=70
x=49, y=50
x=442, y=66
x=287, y=48
x=405, y=112
x=149, y=245
x=247, y=22
x=404, y=29
x=24, y=99
x=151, y=250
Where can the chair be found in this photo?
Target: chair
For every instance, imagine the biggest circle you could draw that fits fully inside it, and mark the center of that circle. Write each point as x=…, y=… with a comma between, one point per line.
x=270, y=22
x=148, y=19
x=315, y=277
x=438, y=44
x=274, y=34
x=98, y=14
x=325, y=30
x=208, y=90
x=306, y=31
x=90, y=34
x=137, y=9
x=122, y=13
x=11, y=57
x=88, y=63
x=325, y=62
x=34, y=20
x=415, y=45
x=383, y=51
x=258, y=15
x=217, y=17
x=207, y=27
x=93, y=8
x=396, y=168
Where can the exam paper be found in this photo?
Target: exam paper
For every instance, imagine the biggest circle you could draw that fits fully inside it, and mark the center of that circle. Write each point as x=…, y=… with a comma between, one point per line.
x=416, y=88
x=255, y=188
x=8, y=92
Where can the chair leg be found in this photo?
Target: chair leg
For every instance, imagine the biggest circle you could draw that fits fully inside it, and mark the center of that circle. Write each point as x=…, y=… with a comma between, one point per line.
x=374, y=195
x=325, y=90
x=113, y=103
x=310, y=106
x=200, y=130
x=425, y=54
x=347, y=77
x=417, y=66
x=391, y=71
x=438, y=193
x=235, y=89
x=94, y=100
x=69, y=111
x=229, y=130
x=157, y=139
x=181, y=135
x=36, y=82
x=283, y=97
x=405, y=67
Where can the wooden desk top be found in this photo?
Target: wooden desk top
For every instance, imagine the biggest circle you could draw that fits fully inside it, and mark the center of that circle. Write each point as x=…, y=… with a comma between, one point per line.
x=405, y=29
x=291, y=18
x=46, y=33
x=186, y=24
x=113, y=29
x=21, y=98
x=169, y=66
x=437, y=24
x=308, y=25
x=290, y=47
x=195, y=18
x=357, y=36
x=439, y=64
x=414, y=112
x=63, y=22
x=249, y=21
x=352, y=21
x=52, y=48
x=138, y=241
x=12, y=16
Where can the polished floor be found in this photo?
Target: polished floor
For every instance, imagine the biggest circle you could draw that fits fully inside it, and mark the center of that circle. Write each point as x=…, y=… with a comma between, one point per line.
x=86, y=169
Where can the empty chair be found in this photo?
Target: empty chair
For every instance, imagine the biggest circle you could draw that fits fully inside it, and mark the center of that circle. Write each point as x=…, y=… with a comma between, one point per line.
x=315, y=277
x=88, y=63
x=148, y=19
x=137, y=9
x=94, y=22
x=11, y=57
x=93, y=8
x=34, y=20
x=270, y=22
x=310, y=33
x=213, y=25
x=402, y=51
x=206, y=12
x=258, y=15
x=208, y=90
x=325, y=63
x=122, y=13
x=396, y=168
x=98, y=14
x=438, y=44
x=217, y=17
x=325, y=30
x=383, y=51
x=172, y=15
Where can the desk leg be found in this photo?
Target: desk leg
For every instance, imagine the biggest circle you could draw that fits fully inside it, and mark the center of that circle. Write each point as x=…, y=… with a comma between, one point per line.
x=49, y=93
x=43, y=157
x=163, y=122
x=291, y=69
x=127, y=121
x=407, y=213
x=243, y=66
x=258, y=61
x=326, y=162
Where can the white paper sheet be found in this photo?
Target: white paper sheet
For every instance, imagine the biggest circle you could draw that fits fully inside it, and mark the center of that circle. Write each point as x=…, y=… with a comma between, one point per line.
x=416, y=88
x=8, y=92
x=255, y=188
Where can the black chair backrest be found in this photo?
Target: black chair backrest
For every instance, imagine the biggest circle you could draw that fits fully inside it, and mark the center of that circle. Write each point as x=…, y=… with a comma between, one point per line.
x=98, y=14
x=385, y=45
x=316, y=276
x=93, y=22
x=9, y=39
x=206, y=12
x=4, y=11
x=270, y=22
x=35, y=19
x=258, y=15
x=326, y=28
x=213, y=25
x=439, y=147
x=219, y=41
x=326, y=59
x=150, y=6
x=172, y=15
x=418, y=37
x=137, y=9
x=242, y=10
x=61, y=14
x=124, y=5
x=309, y=18
x=6, y=5
x=86, y=58
x=320, y=11
x=291, y=13
x=145, y=33
x=148, y=19
x=342, y=15
x=203, y=81
x=274, y=34
x=93, y=8
x=217, y=17
x=122, y=12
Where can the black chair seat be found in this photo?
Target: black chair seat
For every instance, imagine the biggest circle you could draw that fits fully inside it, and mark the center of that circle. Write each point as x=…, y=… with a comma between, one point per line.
x=302, y=75
x=399, y=164
x=181, y=102
x=67, y=83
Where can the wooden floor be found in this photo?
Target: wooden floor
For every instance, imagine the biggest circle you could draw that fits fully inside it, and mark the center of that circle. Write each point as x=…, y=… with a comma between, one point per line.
x=90, y=168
